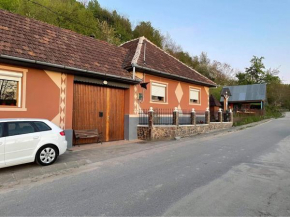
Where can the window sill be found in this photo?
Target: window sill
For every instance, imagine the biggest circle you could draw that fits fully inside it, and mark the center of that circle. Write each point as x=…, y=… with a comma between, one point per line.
x=13, y=109
x=157, y=102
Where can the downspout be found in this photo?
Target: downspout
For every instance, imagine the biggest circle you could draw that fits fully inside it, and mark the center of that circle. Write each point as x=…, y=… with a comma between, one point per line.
x=133, y=71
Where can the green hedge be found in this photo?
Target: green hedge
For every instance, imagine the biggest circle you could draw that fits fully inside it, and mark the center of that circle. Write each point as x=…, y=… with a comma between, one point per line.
x=271, y=112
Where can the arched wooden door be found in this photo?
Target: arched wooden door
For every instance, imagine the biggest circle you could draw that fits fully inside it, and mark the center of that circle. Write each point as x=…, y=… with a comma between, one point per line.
x=97, y=107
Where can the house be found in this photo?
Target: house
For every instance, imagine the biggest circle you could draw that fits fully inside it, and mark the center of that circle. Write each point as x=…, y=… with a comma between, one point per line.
x=79, y=82
x=246, y=98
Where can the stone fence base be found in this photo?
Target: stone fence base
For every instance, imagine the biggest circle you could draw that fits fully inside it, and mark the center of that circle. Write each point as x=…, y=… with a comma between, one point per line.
x=159, y=132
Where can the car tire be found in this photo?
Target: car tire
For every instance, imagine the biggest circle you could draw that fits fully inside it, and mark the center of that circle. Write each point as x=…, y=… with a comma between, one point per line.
x=46, y=155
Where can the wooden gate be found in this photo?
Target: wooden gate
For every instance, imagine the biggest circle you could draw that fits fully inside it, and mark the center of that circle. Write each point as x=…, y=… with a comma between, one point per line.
x=97, y=107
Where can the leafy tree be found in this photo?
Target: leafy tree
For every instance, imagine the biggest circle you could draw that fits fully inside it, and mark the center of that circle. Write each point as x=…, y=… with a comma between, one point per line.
x=256, y=73
x=121, y=25
x=147, y=30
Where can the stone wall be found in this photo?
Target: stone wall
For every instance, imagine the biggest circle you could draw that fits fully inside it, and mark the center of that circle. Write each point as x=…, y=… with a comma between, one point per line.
x=159, y=132
x=143, y=132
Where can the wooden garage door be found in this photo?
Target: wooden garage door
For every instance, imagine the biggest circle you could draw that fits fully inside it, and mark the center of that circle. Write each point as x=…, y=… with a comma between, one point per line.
x=101, y=108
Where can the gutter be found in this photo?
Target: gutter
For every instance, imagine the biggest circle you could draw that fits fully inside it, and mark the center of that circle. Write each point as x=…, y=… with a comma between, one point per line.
x=171, y=75
x=128, y=80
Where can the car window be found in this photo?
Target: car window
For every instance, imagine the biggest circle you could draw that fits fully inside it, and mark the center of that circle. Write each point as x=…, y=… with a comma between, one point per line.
x=41, y=126
x=1, y=130
x=18, y=128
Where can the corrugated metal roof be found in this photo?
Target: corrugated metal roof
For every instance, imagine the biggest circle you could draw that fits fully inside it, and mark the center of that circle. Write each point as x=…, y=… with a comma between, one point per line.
x=254, y=92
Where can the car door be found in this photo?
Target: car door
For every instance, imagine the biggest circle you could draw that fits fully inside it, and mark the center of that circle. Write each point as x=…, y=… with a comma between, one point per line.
x=20, y=142
x=2, y=148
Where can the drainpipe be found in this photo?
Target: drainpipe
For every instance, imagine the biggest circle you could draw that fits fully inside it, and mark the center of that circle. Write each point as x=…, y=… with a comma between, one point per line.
x=133, y=71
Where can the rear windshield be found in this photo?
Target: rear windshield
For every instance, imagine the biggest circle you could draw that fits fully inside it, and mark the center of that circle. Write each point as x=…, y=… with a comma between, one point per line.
x=41, y=126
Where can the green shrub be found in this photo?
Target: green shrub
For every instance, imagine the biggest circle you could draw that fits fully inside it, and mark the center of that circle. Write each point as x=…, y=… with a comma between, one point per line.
x=271, y=112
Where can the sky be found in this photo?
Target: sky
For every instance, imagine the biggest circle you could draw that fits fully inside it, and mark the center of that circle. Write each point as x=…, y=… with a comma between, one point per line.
x=229, y=31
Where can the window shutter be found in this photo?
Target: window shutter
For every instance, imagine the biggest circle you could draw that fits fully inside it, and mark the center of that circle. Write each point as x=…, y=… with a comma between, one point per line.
x=158, y=90
x=194, y=94
x=10, y=74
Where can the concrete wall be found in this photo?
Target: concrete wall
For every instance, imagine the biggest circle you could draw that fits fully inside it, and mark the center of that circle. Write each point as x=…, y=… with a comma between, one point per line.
x=171, y=131
x=130, y=127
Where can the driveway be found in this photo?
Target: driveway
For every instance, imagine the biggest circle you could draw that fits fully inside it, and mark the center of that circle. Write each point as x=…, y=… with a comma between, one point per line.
x=245, y=172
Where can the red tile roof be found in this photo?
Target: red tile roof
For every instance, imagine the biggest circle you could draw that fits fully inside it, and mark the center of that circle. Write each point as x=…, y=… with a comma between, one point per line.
x=158, y=59
x=27, y=38
x=31, y=39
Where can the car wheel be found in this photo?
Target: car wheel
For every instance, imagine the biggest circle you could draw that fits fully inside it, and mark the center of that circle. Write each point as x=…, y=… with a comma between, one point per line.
x=46, y=155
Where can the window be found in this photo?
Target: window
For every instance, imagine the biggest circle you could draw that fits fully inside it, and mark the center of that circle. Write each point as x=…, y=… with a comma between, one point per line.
x=194, y=96
x=18, y=128
x=10, y=86
x=158, y=92
x=42, y=126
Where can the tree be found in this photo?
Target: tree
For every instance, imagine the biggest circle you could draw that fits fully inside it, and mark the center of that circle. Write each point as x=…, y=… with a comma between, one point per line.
x=256, y=73
x=147, y=30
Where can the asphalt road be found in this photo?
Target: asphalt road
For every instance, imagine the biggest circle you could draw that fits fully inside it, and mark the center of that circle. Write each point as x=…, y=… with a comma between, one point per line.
x=240, y=173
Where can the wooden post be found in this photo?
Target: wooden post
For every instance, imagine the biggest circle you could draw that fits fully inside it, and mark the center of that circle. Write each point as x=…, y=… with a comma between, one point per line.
x=175, y=117
x=207, y=116
x=220, y=115
x=193, y=117
x=226, y=103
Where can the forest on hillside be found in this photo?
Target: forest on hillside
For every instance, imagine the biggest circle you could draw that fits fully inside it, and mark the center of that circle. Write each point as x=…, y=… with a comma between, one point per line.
x=87, y=17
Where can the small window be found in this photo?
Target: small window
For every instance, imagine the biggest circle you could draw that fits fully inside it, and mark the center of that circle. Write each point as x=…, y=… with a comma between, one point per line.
x=194, y=96
x=42, y=126
x=10, y=86
x=1, y=130
x=158, y=92
x=18, y=128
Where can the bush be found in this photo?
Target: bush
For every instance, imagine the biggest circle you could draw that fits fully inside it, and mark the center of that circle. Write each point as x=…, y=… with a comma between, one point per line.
x=271, y=112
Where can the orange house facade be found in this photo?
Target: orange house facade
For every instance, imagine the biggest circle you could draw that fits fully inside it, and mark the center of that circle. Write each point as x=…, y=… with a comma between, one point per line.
x=78, y=82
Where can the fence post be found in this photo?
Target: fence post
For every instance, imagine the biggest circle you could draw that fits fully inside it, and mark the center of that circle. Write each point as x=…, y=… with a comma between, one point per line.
x=231, y=116
x=175, y=116
x=207, y=116
x=220, y=115
x=193, y=117
x=150, y=122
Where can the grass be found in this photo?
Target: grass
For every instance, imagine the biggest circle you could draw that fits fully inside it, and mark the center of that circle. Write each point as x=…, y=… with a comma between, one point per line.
x=271, y=112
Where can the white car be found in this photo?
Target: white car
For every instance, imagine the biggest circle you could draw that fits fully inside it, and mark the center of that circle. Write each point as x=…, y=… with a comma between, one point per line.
x=30, y=140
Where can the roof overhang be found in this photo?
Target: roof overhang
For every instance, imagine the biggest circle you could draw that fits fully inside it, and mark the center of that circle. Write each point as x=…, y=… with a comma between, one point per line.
x=64, y=69
x=168, y=75
x=247, y=101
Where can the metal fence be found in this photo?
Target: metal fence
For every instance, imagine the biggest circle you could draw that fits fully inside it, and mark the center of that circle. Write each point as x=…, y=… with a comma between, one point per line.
x=163, y=116
x=184, y=117
x=200, y=117
x=143, y=117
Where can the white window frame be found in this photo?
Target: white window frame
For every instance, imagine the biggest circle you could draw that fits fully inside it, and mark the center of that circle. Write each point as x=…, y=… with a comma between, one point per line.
x=159, y=84
x=13, y=76
x=19, y=75
x=199, y=95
